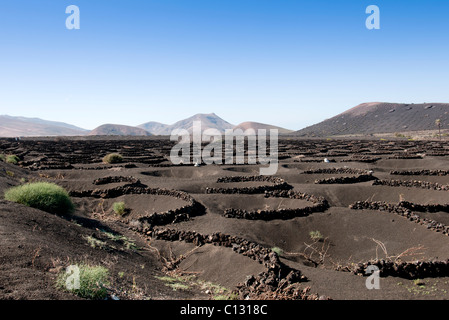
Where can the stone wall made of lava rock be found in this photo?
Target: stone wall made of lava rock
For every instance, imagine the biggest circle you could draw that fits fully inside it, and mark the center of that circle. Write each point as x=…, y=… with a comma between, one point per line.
x=412, y=184
x=319, y=205
x=405, y=156
x=312, y=160
x=145, y=223
x=230, y=179
x=336, y=171
x=115, y=179
x=278, y=184
x=346, y=180
x=402, y=269
x=279, y=280
x=363, y=159
x=405, y=209
x=103, y=167
x=420, y=172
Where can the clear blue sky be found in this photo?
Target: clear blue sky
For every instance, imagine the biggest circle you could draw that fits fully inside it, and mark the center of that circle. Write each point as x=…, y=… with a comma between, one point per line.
x=287, y=63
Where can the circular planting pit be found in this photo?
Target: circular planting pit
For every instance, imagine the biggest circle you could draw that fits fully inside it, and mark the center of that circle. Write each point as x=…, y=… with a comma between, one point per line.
x=417, y=213
x=144, y=205
x=116, y=179
x=254, y=202
x=152, y=206
x=276, y=205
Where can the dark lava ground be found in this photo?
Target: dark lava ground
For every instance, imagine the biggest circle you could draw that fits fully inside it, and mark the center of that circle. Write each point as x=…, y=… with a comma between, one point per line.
x=218, y=227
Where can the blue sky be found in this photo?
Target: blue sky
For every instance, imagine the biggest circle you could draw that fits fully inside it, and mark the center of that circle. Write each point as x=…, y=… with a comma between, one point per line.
x=287, y=63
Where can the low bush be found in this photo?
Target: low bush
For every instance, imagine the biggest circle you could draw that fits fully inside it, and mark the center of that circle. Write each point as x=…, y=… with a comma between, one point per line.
x=85, y=281
x=119, y=208
x=316, y=235
x=113, y=158
x=45, y=196
x=277, y=250
x=12, y=159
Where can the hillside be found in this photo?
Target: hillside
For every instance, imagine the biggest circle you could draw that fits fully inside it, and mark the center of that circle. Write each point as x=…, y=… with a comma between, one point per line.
x=28, y=127
x=118, y=130
x=210, y=120
x=379, y=117
x=256, y=126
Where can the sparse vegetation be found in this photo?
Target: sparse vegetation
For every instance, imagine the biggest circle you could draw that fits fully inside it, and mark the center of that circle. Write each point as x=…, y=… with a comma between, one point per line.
x=418, y=282
x=122, y=241
x=177, y=283
x=45, y=196
x=119, y=208
x=316, y=235
x=92, y=282
x=167, y=279
x=178, y=286
x=277, y=250
x=230, y=296
x=96, y=243
x=113, y=158
x=12, y=159
x=127, y=243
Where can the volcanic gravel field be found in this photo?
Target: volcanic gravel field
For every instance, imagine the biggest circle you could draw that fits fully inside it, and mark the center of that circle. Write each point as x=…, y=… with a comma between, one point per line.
x=309, y=232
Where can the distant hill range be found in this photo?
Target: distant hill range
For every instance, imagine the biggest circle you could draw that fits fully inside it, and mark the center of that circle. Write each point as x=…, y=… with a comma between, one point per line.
x=118, y=130
x=26, y=127
x=210, y=120
x=23, y=127
x=379, y=117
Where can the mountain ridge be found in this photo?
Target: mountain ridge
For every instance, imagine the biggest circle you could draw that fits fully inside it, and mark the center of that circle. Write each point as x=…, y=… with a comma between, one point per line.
x=380, y=117
x=109, y=129
x=11, y=126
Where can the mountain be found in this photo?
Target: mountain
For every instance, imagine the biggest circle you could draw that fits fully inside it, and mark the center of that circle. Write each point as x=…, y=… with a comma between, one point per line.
x=381, y=117
x=256, y=126
x=210, y=120
x=156, y=128
x=118, y=130
x=26, y=127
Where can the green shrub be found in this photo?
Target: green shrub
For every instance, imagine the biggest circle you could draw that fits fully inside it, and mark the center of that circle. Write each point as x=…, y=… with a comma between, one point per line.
x=113, y=158
x=277, y=250
x=119, y=208
x=45, y=196
x=12, y=159
x=2, y=157
x=92, y=282
x=316, y=235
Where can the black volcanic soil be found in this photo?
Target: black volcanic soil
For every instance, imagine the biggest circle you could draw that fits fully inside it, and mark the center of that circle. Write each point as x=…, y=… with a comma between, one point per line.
x=35, y=245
